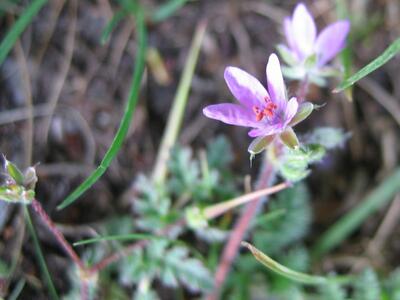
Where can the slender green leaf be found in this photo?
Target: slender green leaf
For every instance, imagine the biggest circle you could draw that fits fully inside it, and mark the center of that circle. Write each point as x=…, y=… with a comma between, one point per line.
x=282, y=270
x=166, y=10
x=178, y=107
x=23, y=21
x=389, y=53
x=348, y=223
x=40, y=257
x=120, y=237
x=126, y=119
x=118, y=16
x=17, y=290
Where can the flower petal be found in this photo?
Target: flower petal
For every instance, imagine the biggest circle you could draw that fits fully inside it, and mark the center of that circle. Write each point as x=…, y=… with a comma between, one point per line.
x=246, y=88
x=266, y=130
x=276, y=86
x=232, y=114
x=331, y=41
x=287, y=27
x=291, y=110
x=304, y=30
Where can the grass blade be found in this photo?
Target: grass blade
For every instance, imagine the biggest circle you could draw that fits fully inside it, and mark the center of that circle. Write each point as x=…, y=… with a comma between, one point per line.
x=178, y=108
x=282, y=270
x=391, y=51
x=17, y=290
x=118, y=16
x=347, y=224
x=126, y=119
x=40, y=257
x=19, y=26
x=121, y=237
x=166, y=10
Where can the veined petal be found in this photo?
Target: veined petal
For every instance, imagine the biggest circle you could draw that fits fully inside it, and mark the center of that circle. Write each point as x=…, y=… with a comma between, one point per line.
x=266, y=130
x=304, y=30
x=276, y=86
x=232, y=114
x=246, y=88
x=291, y=110
x=331, y=41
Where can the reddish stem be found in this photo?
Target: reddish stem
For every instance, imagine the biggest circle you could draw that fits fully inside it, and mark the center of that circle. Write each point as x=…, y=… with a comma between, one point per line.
x=57, y=233
x=238, y=233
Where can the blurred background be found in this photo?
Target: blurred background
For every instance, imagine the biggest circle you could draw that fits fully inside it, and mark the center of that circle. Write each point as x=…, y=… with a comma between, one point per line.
x=76, y=88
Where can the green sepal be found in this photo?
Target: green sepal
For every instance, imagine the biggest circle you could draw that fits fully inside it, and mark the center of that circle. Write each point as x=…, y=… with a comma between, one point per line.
x=304, y=110
x=310, y=62
x=289, y=138
x=15, y=173
x=286, y=55
x=259, y=144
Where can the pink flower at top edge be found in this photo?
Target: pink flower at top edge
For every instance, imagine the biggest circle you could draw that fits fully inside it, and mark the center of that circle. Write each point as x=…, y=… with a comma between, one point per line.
x=302, y=39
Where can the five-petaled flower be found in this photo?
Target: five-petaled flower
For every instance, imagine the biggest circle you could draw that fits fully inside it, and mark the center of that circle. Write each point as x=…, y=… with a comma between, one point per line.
x=269, y=114
x=306, y=52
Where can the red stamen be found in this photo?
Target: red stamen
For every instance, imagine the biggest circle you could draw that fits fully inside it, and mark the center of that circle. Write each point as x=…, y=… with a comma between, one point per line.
x=267, y=111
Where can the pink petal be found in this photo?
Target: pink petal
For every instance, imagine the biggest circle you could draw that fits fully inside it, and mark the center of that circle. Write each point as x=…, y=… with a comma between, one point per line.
x=232, y=114
x=291, y=110
x=276, y=86
x=304, y=30
x=287, y=25
x=266, y=130
x=331, y=41
x=246, y=88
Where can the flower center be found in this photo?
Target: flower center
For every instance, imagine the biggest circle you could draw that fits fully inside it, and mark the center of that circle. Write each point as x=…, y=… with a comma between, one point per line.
x=265, y=111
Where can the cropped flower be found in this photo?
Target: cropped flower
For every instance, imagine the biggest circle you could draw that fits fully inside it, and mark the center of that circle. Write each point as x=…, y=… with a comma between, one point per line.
x=307, y=52
x=268, y=113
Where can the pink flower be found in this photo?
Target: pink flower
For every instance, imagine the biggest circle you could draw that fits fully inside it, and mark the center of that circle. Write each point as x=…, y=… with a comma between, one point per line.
x=302, y=39
x=268, y=113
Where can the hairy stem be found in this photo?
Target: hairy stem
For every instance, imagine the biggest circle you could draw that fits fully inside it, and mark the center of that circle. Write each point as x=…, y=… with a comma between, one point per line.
x=57, y=233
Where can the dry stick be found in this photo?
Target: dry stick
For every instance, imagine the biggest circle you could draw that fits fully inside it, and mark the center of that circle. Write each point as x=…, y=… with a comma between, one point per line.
x=238, y=233
x=57, y=233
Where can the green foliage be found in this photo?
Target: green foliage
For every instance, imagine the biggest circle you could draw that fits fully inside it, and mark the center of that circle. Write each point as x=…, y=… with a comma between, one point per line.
x=378, y=62
x=205, y=180
x=126, y=118
x=171, y=265
x=273, y=235
x=332, y=291
x=392, y=285
x=294, y=163
x=17, y=186
x=18, y=27
x=367, y=286
x=378, y=198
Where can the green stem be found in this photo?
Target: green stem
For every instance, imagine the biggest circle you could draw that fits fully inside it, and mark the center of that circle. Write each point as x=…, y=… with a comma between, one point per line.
x=178, y=108
x=282, y=270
